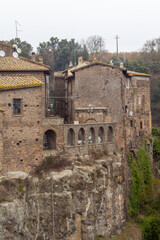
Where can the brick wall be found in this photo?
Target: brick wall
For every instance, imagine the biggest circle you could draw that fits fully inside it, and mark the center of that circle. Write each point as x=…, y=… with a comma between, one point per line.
x=99, y=86
x=22, y=134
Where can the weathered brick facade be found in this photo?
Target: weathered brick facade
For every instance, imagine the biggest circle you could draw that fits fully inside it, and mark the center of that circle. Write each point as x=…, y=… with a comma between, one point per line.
x=107, y=109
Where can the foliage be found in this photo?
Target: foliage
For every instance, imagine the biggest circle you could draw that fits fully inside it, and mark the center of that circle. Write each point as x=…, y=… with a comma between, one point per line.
x=156, y=143
x=116, y=61
x=51, y=163
x=58, y=53
x=25, y=47
x=145, y=192
x=151, y=54
x=137, y=66
x=141, y=180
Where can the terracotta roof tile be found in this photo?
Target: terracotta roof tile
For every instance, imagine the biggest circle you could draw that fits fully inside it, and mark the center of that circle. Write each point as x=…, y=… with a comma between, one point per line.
x=10, y=81
x=20, y=64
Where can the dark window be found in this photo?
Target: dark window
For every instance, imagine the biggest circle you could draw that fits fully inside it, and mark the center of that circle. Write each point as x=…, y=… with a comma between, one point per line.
x=126, y=109
x=100, y=135
x=70, y=137
x=110, y=134
x=131, y=123
x=16, y=106
x=91, y=137
x=81, y=136
x=49, y=140
x=141, y=125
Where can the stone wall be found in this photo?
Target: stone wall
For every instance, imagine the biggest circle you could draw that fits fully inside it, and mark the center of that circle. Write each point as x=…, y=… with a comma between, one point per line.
x=138, y=109
x=100, y=87
x=78, y=203
x=91, y=142
x=22, y=134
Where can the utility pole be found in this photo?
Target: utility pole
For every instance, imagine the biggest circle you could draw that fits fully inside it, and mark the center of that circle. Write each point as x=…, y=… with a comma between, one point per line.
x=17, y=30
x=117, y=44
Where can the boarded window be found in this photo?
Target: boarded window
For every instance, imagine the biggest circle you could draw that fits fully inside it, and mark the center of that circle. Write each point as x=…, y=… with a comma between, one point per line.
x=49, y=140
x=81, y=136
x=70, y=137
x=110, y=134
x=17, y=107
x=91, y=137
x=100, y=135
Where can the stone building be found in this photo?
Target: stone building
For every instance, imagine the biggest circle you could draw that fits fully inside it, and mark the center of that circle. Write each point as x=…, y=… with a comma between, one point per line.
x=104, y=107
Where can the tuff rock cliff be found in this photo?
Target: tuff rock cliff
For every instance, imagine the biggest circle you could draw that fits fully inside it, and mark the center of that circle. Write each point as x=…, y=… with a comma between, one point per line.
x=83, y=201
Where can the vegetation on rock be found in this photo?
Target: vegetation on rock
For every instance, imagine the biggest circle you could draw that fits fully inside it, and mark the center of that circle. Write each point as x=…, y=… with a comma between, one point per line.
x=144, y=201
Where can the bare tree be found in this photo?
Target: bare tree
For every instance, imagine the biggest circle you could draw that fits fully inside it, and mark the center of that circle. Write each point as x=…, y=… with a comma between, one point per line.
x=95, y=44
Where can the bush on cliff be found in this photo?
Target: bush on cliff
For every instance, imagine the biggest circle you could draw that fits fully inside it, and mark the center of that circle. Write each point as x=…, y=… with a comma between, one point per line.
x=144, y=201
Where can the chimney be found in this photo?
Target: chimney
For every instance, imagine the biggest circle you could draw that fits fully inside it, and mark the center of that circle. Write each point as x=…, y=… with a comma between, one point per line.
x=70, y=64
x=121, y=65
x=111, y=62
x=80, y=60
x=40, y=59
x=33, y=57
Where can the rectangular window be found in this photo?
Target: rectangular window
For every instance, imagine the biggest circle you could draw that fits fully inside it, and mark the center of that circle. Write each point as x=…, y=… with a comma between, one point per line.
x=17, y=107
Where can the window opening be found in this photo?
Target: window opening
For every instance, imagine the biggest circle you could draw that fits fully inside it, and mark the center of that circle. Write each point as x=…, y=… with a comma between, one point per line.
x=100, y=135
x=91, y=137
x=16, y=106
x=110, y=134
x=70, y=137
x=81, y=136
x=49, y=140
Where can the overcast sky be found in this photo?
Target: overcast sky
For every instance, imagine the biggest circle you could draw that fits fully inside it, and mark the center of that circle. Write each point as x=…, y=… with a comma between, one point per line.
x=134, y=21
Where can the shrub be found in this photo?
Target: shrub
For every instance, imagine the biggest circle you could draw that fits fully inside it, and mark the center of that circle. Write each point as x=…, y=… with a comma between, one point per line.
x=51, y=163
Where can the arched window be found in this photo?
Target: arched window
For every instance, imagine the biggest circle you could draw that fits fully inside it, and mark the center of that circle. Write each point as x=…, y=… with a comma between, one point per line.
x=100, y=135
x=70, y=137
x=49, y=140
x=91, y=137
x=81, y=136
x=110, y=134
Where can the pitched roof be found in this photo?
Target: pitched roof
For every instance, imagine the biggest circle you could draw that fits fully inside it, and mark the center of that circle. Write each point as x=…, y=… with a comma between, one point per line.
x=20, y=64
x=97, y=63
x=70, y=70
x=6, y=44
x=131, y=74
x=12, y=81
x=84, y=66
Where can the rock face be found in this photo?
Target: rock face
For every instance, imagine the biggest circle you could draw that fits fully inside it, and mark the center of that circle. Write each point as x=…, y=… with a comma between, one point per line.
x=78, y=203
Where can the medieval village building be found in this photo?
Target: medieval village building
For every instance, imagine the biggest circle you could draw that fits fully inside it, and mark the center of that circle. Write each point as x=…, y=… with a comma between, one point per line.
x=96, y=106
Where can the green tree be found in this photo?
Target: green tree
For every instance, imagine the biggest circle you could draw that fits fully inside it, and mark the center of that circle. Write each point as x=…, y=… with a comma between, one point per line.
x=58, y=53
x=137, y=66
x=25, y=47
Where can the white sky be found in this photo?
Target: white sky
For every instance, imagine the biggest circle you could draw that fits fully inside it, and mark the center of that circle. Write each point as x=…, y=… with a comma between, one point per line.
x=135, y=21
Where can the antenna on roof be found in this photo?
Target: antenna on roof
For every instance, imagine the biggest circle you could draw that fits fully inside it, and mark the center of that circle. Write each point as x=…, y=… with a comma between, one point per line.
x=2, y=53
x=15, y=46
x=17, y=30
x=19, y=50
x=15, y=54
